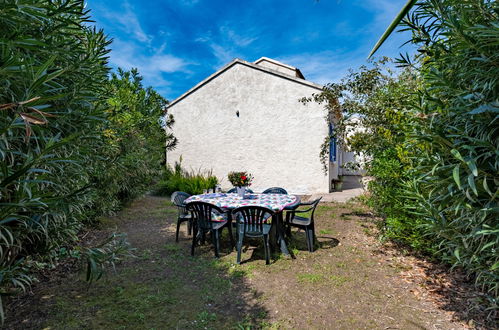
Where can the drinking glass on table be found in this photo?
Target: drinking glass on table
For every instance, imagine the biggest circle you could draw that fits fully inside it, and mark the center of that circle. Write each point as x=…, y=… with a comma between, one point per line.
x=205, y=191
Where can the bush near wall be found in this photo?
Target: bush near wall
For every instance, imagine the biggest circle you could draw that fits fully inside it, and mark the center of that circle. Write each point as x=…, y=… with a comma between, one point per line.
x=73, y=144
x=179, y=179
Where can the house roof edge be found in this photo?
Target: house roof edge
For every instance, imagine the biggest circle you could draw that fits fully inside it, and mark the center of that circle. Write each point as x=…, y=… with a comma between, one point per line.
x=248, y=64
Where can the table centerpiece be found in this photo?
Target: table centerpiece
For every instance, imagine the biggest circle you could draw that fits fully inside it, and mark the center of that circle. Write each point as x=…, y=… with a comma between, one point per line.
x=240, y=180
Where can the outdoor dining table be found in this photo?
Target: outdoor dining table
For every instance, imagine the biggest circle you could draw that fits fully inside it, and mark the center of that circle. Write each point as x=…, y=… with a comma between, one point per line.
x=276, y=202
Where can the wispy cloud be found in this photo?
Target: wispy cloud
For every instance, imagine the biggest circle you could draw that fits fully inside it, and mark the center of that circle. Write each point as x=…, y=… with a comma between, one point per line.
x=152, y=67
x=331, y=65
x=236, y=39
x=176, y=44
x=226, y=44
x=133, y=47
x=128, y=22
x=322, y=67
x=188, y=3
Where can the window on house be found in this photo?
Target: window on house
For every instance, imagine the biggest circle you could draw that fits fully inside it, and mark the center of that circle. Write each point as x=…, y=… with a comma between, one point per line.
x=332, y=144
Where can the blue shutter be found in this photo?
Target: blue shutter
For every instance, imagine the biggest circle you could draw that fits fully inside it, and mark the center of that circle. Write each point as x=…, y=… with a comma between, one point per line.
x=332, y=144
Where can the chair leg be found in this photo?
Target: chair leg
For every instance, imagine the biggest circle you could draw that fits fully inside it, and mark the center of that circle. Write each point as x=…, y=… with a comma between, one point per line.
x=194, y=239
x=189, y=227
x=288, y=225
x=310, y=239
x=239, y=247
x=216, y=241
x=231, y=236
x=178, y=227
x=266, y=246
x=307, y=234
x=203, y=237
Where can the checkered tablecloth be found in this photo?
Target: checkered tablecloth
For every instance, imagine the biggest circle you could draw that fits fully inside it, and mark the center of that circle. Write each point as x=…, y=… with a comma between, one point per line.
x=275, y=202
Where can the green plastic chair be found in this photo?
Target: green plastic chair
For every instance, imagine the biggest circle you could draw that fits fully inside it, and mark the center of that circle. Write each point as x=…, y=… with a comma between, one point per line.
x=251, y=222
x=205, y=215
x=275, y=190
x=178, y=199
x=305, y=223
x=234, y=190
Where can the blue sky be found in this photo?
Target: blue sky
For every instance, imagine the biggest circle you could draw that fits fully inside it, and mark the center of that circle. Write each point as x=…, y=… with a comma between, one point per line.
x=176, y=44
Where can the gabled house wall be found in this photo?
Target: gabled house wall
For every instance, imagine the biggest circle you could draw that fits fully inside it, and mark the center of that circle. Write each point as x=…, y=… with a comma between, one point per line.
x=247, y=118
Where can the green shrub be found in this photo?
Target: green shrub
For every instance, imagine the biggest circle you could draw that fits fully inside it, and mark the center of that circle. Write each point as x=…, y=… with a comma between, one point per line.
x=431, y=136
x=371, y=110
x=73, y=143
x=53, y=72
x=457, y=189
x=181, y=180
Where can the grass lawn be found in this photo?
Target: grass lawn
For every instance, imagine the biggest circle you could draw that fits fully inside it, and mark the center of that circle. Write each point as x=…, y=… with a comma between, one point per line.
x=349, y=282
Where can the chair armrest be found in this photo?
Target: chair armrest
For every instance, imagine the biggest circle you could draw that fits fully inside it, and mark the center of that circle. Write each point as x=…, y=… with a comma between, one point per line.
x=301, y=211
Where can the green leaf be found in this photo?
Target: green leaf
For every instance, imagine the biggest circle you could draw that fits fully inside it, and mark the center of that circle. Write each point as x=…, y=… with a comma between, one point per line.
x=471, y=182
x=486, y=187
x=457, y=154
x=492, y=107
x=407, y=7
x=457, y=178
x=472, y=165
x=495, y=266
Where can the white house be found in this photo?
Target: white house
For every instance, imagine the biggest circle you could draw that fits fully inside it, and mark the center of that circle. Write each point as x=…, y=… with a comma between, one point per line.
x=247, y=117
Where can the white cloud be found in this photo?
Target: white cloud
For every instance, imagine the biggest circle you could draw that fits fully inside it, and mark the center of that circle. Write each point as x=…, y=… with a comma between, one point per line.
x=227, y=44
x=127, y=55
x=223, y=54
x=234, y=38
x=188, y=3
x=323, y=67
x=128, y=22
x=330, y=66
x=132, y=47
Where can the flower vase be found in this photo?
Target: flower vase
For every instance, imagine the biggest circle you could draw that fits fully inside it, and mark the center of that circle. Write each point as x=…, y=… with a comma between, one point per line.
x=241, y=191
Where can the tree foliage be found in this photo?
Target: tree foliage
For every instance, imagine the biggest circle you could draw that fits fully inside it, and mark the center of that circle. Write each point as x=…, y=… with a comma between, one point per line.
x=430, y=136
x=457, y=190
x=74, y=144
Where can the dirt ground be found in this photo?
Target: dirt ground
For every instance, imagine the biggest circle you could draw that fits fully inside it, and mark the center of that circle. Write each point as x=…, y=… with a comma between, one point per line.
x=352, y=281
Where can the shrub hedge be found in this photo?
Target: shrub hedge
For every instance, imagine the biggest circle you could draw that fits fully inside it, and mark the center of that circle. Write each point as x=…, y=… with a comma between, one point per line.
x=430, y=136
x=74, y=144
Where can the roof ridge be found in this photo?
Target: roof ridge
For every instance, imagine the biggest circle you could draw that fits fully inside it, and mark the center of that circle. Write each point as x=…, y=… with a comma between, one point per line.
x=248, y=64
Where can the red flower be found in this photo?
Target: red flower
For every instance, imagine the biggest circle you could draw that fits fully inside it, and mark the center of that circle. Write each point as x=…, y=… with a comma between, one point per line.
x=243, y=177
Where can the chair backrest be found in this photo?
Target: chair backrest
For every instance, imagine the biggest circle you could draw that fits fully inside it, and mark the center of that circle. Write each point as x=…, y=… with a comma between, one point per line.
x=178, y=199
x=204, y=213
x=251, y=218
x=233, y=190
x=275, y=190
x=314, y=206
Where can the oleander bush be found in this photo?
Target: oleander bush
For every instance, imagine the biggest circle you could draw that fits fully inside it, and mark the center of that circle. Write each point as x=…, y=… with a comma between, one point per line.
x=456, y=191
x=429, y=136
x=74, y=143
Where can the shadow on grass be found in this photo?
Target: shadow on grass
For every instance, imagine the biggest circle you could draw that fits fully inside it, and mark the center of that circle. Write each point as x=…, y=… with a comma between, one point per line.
x=452, y=289
x=457, y=293
x=162, y=288
x=298, y=243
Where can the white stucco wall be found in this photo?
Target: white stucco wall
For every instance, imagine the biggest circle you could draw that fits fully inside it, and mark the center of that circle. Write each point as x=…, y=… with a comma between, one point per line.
x=275, y=137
